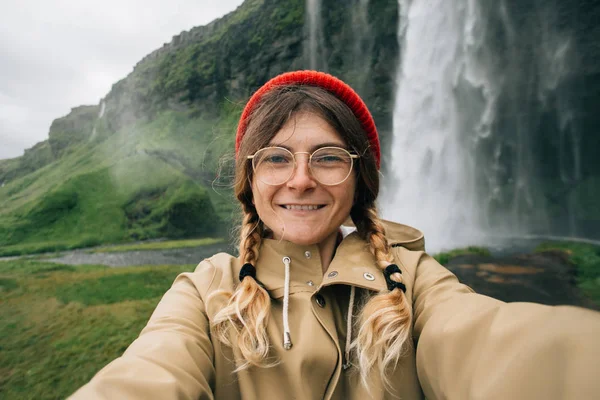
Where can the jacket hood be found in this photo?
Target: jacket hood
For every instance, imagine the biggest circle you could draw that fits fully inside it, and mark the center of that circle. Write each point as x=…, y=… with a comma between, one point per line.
x=399, y=235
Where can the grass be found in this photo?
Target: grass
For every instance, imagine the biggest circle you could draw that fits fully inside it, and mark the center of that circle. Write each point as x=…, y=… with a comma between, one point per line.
x=158, y=245
x=445, y=257
x=60, y=324
x=586, y=259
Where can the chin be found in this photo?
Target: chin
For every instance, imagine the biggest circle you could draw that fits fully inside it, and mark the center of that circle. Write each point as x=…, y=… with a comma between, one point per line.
x=302, y=240
x=302, y=237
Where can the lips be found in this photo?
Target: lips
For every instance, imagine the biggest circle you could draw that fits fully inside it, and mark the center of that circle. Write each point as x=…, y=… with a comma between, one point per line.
x=302, y=207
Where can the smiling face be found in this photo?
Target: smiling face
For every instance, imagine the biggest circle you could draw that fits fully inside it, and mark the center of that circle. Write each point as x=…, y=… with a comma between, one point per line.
x=302, y=210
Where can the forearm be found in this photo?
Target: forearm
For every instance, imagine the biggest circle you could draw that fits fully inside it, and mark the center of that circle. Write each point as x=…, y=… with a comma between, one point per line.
x=474, y=347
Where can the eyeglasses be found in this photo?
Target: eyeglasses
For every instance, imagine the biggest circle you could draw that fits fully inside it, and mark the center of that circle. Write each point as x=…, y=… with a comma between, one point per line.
x=328, y=165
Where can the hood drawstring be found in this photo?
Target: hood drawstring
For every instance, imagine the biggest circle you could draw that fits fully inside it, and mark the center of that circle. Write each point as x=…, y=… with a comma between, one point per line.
x=287, y=340
x=348, y=364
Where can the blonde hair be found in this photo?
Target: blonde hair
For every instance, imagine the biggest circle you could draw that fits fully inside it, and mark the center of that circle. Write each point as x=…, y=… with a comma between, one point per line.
x=247, y=309
x=386, y=318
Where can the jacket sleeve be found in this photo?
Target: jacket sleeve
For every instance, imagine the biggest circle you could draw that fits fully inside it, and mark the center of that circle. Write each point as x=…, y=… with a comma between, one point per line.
x=471, y=346
x=171, y=359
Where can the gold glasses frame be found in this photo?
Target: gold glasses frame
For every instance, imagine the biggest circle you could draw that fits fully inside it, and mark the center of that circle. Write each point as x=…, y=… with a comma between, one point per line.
x=310, y=156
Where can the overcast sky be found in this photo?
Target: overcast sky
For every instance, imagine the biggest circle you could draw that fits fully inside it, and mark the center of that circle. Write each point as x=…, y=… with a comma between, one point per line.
x=58, y=54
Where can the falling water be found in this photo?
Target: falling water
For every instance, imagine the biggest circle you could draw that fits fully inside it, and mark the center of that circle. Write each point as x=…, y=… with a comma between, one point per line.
x=102, y=109
x=314, y=53
x=470, y=100
x=100, y=115
x=431, y=183
x=363, y=48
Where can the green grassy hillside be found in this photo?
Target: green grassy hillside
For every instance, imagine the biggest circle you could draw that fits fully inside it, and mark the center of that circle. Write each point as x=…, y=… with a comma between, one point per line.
x=153, y=179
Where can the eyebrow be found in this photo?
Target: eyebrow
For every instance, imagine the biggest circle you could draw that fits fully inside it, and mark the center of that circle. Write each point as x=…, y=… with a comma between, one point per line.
x=313, y=148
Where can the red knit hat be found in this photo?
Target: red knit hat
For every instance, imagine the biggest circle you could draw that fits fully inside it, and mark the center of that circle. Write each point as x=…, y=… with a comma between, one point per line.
x=330, y=83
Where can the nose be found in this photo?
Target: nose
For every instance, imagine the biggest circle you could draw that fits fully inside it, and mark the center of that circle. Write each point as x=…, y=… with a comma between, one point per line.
x=302, y=179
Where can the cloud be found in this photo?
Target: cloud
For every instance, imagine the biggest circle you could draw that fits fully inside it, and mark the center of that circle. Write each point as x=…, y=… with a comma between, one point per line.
x=55, y=55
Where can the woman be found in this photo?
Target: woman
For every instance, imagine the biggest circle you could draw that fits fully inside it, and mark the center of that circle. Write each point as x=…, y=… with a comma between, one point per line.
x=311, y=311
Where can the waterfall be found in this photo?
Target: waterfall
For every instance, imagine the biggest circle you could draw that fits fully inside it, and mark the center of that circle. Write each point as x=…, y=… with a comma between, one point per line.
x=431, y=182
x=102, y=109
x=475, y=85
x=314, y=53
x=360, y=61
x=100, y=115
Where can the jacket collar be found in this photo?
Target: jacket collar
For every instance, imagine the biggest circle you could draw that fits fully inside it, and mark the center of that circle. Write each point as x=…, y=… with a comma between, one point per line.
x=353, y=264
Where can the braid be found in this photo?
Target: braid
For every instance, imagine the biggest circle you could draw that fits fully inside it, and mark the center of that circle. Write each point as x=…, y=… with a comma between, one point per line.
x=247, y=309
x=376, y=238
x=386, y=318
x=251, y=234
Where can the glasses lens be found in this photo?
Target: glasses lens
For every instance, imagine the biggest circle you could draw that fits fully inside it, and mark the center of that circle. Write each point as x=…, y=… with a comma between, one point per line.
x=331, y=165
x=273, y=165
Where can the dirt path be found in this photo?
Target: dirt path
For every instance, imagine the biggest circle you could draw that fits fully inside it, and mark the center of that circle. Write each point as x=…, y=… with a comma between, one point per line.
x=546, y=277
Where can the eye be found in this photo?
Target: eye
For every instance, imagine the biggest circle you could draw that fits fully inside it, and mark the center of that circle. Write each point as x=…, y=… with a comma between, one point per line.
x=328, y=158
x=276, y=159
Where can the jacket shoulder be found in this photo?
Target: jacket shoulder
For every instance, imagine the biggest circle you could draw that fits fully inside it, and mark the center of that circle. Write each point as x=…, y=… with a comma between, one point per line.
x=216, y=273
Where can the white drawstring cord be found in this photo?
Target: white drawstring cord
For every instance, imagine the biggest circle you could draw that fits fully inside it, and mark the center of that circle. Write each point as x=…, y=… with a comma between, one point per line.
x=347, y=364
x=287, y=341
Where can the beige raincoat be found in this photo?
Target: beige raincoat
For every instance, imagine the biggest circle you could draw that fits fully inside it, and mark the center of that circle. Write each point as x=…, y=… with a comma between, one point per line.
x=466, y=346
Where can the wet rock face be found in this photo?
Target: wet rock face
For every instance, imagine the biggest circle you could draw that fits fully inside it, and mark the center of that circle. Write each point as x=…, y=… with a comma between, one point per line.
x=544, y=138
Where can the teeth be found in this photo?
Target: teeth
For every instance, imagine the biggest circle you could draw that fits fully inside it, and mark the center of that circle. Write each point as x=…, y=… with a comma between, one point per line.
x=305, y=208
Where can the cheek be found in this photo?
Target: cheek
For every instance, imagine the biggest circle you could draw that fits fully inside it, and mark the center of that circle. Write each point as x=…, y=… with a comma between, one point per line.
x=261, y=197
x=346, y=195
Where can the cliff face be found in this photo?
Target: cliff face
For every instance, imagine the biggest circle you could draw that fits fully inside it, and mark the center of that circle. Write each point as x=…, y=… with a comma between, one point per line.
x=66, y=133
x=75, y=128
x=34, y=158
x=200, y=69
x=228, y=59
